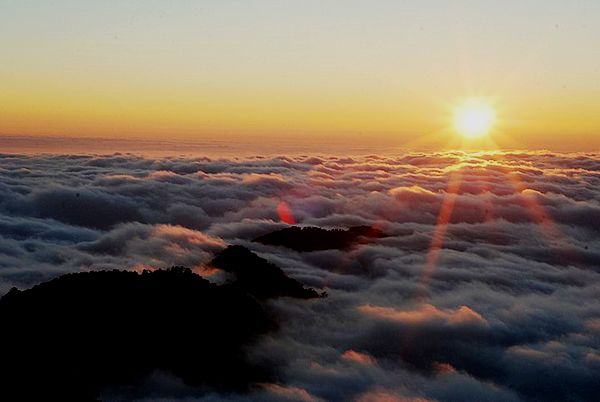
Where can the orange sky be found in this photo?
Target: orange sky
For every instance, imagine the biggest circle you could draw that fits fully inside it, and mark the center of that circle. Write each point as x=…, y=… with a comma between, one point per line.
x=362, y=72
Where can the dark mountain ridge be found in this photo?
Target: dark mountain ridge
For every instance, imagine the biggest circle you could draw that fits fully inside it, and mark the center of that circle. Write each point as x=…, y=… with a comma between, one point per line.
x=251, y=270
x=312, y=238
x=75, y=336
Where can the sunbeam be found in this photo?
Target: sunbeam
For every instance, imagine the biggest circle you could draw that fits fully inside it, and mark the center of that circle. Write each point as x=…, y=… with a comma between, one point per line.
x=439, y=233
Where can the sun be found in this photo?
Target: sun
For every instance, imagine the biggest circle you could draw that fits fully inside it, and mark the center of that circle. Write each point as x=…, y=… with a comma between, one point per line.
x=474, y=117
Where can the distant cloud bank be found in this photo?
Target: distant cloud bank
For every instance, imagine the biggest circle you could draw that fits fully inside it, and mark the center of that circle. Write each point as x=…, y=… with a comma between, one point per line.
x=485, y=287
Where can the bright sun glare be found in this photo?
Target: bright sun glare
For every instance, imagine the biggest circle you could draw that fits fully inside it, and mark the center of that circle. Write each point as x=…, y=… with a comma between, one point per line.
x=474, y=117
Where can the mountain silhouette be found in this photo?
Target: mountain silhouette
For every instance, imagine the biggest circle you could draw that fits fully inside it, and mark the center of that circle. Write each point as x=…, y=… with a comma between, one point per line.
x=76, y=336
x=312, y=238
x=258, y=276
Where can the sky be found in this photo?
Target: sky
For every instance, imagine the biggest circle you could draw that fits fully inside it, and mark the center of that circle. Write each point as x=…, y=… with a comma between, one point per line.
x=384, y=71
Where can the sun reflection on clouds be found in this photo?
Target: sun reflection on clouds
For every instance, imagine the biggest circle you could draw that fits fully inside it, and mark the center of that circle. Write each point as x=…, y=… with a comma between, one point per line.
x=426, y=313
x=358, y=357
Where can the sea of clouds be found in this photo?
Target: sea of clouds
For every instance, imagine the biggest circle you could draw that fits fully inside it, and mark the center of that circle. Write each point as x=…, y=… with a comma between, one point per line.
x=487, y=287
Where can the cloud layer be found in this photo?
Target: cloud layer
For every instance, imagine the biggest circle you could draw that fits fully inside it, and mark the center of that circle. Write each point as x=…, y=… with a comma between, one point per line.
x=487, y=287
